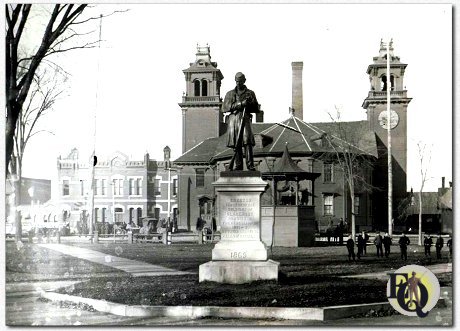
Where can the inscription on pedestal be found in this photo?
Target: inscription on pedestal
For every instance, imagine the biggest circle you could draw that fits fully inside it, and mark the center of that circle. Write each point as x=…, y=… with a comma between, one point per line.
x=240, y=217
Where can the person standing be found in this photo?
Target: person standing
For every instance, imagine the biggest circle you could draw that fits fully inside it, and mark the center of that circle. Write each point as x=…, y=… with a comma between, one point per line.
x=449, y=245
x=366, y=240
x=427, y=242
x=341, y=231
x=387, y=244
x=439, y=244
x=403, y=243
x=351, y=248
x=360, y=242
x=378, y=241
x=240, y=103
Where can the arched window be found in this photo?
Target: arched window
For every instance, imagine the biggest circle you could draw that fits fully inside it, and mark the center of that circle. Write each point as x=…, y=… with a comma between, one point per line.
x=197, y=88
x=392, y=82
x=204, y=88
x=383, y=83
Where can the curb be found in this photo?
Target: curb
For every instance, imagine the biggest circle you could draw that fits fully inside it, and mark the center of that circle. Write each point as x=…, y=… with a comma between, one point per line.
x=313, y=314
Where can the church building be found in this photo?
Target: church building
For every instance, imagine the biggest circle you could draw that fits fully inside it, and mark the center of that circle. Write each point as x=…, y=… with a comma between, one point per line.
x=297, y=159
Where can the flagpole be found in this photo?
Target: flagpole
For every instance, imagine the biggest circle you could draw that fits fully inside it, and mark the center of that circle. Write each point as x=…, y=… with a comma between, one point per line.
x=390, y=172
x=92, y=226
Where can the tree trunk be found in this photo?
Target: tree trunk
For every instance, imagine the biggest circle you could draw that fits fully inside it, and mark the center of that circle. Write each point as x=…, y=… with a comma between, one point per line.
x=420, y=220
x=353, y=220
x=13, y=111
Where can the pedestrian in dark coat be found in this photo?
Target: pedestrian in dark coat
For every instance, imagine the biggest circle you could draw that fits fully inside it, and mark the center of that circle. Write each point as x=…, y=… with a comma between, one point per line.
x=360, y=241
x=403, y=243
x=378, y=241
x=366, y=240
x=449, y=245
x=387, y=244
x=341, y=230
x=351, y=248
x=427, y=242
x=439, y=244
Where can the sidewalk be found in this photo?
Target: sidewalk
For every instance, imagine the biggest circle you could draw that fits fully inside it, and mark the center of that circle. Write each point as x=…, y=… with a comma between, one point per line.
x=435, y=268
x=135, y=268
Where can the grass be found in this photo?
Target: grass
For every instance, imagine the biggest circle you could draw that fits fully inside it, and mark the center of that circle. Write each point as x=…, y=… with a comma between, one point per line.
x=308, y=276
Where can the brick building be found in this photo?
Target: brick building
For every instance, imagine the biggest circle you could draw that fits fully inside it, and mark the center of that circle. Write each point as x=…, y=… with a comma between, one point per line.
x=125, y=190
x=201, y=164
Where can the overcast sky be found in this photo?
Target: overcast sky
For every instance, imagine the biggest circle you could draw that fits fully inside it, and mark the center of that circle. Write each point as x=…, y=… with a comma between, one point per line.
x=140, y=79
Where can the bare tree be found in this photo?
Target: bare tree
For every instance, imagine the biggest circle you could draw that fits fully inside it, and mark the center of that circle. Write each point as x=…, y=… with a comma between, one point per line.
x=45, y=91
x=352, y=158
x=425, y=160
x=21, y=70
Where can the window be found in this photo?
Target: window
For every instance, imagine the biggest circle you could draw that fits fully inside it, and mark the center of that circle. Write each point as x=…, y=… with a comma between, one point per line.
x=199, y=177
x=357, y=204
x=104, y=215
x=82, y=187
x=97, y=186
x=197, y=88
x=139, y=186
x=118, y=187
x=328, y=172
x=204, y=88
x=103, y=187
x=328, y=204
x=96, y=214
x=139, y=216
x=65, y=187
x=132, y=188
x=131, y=215
x=156, y=187
x=118, y=215
x=175, y=187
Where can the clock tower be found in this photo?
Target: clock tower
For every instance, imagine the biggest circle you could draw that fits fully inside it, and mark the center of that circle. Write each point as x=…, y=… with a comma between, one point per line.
x=201, y=102
x=376, y=108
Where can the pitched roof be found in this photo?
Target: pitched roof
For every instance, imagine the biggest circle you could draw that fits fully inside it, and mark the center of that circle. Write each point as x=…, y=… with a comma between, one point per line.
x=285, y=166
x=303, y=139
x=429, y=203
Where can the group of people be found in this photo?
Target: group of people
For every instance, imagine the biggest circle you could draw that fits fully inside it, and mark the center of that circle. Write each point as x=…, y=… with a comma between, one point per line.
x=439, y=244
x=385, y=242
x=336, y=232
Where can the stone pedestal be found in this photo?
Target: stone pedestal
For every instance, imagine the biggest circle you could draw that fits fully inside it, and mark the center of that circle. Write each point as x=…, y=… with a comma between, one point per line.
x=240, y=256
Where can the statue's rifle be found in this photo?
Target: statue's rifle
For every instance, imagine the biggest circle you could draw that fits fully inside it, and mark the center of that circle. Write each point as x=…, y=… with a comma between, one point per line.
x=239, y=139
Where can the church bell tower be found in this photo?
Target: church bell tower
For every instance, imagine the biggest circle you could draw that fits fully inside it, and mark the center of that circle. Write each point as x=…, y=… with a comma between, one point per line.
x=201, y=102
x=376, y=107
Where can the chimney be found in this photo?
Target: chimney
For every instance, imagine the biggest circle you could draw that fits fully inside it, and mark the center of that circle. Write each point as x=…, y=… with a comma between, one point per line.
x=297, y=96
x=443, y=182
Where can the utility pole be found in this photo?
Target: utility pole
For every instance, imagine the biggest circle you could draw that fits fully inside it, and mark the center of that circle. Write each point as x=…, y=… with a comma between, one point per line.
x=390, y=170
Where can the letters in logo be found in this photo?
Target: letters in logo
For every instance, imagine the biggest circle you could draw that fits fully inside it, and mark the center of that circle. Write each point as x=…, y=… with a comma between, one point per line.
x=413, y=291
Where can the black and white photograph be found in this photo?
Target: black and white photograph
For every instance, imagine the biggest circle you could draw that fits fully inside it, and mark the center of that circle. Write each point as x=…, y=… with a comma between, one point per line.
x=228, y=164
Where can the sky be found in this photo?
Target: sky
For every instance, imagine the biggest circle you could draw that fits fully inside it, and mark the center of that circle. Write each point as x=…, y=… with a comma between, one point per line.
x=132, y=85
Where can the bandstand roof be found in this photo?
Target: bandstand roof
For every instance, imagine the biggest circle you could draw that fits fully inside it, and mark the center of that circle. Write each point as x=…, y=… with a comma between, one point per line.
x=286, y=167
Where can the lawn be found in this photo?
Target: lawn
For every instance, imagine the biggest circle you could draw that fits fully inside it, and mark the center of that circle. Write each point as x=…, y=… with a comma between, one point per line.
x=308, y=276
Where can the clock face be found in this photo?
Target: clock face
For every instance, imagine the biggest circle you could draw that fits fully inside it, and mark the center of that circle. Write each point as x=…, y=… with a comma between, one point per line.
x=394, y=119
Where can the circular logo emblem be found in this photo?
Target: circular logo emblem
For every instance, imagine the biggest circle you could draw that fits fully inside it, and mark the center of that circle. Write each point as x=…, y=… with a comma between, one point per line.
x=413, y=290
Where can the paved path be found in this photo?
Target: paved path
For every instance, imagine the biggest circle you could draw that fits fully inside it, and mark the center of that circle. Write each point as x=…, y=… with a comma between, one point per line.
x=135, y=268
x=383, y=275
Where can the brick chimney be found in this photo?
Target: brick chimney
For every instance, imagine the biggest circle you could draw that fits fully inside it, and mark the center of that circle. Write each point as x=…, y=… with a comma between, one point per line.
x=443, y=179
x=297, y=95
